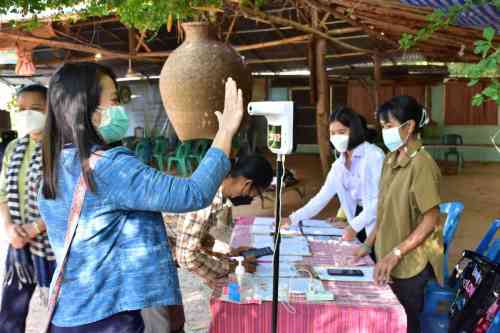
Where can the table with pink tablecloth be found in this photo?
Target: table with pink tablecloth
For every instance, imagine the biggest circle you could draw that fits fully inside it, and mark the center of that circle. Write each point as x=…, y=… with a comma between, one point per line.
x=359, y=307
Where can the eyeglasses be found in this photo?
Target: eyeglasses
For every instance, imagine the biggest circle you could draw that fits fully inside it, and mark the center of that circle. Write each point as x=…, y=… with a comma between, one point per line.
x=493, y=140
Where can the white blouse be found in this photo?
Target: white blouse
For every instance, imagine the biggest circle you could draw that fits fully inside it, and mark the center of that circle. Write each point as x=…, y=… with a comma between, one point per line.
x=357, y=186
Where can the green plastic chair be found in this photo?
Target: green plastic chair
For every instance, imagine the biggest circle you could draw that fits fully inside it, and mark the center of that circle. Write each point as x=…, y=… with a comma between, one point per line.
x=160, y=152
x=180, y=157
x=143, y=150
x=199, y=150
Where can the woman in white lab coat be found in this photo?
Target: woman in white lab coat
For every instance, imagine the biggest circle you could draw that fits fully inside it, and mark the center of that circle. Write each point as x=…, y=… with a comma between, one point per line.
x=353, y=177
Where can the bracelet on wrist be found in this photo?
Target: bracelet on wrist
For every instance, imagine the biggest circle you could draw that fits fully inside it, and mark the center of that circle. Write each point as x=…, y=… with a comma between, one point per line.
x=37, y=228
x=366, y=247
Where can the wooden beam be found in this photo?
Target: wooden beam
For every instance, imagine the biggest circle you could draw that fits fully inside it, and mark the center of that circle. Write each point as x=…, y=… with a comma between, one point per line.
x=299, y=59
x=231, y=27
x=281, y=21
x=443, y=39
x=339, y=15
x=62, y=45
x=469, y=35
x=149, y=56
x=93, y=59
x=377, y=75
x=344, y=31
x=100, y=21
x=250, y=31
x=141, y=42
x=274, y=43
x=390, y=10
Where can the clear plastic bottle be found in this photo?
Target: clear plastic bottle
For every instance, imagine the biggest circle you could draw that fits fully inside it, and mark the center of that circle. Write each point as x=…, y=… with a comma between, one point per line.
x=245, y=281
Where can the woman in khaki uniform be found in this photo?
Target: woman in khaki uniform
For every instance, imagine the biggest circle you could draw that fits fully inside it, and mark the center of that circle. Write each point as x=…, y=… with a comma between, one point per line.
x=408, y=238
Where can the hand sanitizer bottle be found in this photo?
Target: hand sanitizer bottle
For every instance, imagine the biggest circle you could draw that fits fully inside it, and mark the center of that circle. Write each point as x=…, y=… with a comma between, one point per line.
x=244, y=280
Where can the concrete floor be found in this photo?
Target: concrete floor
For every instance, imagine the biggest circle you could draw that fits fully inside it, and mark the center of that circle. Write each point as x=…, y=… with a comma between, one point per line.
x=477, y=187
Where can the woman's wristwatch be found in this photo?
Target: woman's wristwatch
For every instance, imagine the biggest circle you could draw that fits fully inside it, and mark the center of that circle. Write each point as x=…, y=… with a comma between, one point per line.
x=397, y=252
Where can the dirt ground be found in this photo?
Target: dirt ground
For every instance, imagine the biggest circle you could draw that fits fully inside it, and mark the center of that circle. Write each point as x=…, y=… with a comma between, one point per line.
x=477, y=186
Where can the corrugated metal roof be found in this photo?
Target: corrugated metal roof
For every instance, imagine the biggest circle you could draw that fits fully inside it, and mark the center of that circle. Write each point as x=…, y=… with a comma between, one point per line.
x=479, y=16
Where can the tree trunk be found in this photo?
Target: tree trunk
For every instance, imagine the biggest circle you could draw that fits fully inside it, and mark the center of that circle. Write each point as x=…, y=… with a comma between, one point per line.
x=322, y=106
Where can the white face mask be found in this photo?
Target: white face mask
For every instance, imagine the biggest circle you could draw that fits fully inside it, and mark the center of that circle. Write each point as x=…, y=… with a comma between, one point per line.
x=340, y=142
x=392, y=139
x=29, y=122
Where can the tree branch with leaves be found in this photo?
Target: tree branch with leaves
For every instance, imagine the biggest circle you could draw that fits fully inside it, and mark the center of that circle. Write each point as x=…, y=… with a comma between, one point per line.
x=487, y=48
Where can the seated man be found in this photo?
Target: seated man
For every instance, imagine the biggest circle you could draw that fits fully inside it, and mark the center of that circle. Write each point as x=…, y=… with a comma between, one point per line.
x=189, y=233
x=192, y=243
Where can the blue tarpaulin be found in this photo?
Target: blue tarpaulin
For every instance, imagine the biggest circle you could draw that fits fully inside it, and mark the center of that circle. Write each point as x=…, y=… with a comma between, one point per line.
x=478, y=17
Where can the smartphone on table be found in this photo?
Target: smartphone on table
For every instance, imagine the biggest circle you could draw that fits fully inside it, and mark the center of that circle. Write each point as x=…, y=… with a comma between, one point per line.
x=344, y=272
x=257, y=253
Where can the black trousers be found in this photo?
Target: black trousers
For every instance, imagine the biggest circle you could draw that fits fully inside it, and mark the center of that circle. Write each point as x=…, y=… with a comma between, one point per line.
x=123, y=322
x=362, y=236
x=410, y=293
x=15, y=306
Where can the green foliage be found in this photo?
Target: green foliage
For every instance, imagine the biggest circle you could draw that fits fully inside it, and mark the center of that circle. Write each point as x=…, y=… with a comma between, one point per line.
x=141, y=14
x=489, y=64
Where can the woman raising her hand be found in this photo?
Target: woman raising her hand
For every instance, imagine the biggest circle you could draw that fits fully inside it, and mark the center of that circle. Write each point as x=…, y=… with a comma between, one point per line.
x=120, y=261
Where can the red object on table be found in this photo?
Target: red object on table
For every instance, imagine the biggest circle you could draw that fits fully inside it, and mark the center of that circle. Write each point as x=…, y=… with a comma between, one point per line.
x=359, y=307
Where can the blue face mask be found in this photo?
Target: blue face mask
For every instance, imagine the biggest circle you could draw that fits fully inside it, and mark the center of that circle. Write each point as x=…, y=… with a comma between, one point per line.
x=392, y=139
x=114, y=124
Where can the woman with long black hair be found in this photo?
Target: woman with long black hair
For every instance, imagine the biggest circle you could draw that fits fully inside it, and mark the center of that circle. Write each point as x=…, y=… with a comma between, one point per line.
x=353, y=177
x=119, y=261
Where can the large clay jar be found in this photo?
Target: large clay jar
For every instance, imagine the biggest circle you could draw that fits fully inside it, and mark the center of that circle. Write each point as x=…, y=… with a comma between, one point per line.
x=193, y=78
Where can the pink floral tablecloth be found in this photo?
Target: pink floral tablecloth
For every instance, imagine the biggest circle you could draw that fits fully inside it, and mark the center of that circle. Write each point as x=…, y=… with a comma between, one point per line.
x=359, y=307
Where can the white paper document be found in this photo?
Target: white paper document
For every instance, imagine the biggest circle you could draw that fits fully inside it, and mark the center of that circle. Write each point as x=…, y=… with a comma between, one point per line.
x=264, y=221
x=263, y=241
x=295, y=246
x=263, y=289
x=283, y=258
x=266, y=270
x=367, y=274
x=331, y=231
x=299, y=285
x=262, y=229
x=316, y=224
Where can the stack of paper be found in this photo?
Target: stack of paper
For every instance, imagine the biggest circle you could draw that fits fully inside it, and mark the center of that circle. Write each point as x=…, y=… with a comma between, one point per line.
x=267, y=229
x=316, y=224
x=330, y=231
x=264, y=221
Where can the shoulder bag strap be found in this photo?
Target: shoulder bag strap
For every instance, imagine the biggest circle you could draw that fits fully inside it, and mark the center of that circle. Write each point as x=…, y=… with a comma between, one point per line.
x=74, y=216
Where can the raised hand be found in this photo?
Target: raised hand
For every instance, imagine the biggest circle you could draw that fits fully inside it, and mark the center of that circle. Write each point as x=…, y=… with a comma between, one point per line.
x=230, y=119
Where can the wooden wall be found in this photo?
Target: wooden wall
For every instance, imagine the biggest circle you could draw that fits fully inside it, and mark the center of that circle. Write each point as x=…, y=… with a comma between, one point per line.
x=458, y=109
x=361, y=99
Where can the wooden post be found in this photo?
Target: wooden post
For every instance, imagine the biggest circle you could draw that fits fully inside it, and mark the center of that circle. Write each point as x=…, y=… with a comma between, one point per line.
x=377, y=76
x=132, y=42
x=322, y=99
